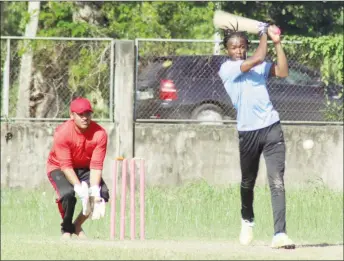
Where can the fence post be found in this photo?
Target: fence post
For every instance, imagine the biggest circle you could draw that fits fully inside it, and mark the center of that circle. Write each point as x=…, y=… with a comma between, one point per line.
x=124, y=97
x=6, y=82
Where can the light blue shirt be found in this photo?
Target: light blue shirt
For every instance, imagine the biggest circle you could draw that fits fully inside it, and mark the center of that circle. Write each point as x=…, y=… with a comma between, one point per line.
x=249, y=95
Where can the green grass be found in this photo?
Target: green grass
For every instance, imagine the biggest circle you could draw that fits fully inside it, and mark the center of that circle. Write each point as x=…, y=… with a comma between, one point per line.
x=192, y=212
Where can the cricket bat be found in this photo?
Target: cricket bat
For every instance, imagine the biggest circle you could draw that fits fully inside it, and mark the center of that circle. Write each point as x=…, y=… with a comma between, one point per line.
x=225, y=20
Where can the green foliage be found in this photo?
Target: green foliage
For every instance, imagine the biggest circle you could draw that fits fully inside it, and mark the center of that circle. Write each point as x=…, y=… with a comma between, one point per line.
x=2, y=65
x=326, y=55
x=56, y=19
x=88, y=66
x=334, y=110
x=173, y=19
x=89, y=73
x=159, y=20
x=72, y=68
x=134, y=19
x=15, y=18
x=295, y=18
x=3, y=56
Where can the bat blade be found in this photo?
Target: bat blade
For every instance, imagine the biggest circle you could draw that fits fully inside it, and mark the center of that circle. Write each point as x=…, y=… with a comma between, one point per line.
x=225, y=20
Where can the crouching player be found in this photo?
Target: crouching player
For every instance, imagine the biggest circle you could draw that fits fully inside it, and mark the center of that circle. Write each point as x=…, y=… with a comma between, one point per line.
x=76, y=159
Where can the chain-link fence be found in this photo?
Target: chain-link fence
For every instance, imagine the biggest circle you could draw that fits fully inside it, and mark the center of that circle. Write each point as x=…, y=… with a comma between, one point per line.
x=41, y=76
x=177, y=80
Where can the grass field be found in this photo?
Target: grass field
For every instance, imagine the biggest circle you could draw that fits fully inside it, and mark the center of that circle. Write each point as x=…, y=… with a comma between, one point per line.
x=196, y=221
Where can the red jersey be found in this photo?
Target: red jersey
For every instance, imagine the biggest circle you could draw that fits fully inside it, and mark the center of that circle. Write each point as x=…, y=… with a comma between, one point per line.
x=73, y=149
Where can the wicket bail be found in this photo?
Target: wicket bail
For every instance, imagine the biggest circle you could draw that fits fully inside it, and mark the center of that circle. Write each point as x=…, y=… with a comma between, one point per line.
x=132, y=170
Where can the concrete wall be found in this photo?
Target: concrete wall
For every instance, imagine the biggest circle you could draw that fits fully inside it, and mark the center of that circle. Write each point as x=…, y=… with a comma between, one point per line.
x=178, y=153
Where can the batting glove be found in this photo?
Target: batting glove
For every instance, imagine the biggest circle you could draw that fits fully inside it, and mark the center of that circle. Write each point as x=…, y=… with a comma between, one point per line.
x=263, y=28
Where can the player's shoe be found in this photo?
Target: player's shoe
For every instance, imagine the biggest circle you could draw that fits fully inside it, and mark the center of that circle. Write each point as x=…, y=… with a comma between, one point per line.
x=281, y=240
x=246, y=233
x=66, y=236
x=81, y=234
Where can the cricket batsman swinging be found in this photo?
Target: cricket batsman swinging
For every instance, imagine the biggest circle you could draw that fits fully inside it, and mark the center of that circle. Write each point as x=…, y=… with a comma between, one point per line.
x=258, y=122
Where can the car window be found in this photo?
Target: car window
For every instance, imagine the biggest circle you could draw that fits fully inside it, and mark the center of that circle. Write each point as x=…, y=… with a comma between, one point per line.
x=164, y=68
x=171, y=70
x=199, y=67
x=149, y=71
x=188, y=66
x=298, y=77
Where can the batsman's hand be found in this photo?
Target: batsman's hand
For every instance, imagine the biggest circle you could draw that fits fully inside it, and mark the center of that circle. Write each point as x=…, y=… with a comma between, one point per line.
x=274, y=33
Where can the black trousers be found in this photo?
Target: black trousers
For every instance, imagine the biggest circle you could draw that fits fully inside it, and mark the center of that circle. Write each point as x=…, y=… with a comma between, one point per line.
x=270, y=142
x=66, y=199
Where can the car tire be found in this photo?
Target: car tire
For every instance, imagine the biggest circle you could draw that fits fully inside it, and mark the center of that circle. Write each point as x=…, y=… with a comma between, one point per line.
x=208, y=114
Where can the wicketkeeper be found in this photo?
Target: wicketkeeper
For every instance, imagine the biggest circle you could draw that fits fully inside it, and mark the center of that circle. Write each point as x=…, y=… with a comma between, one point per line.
x=75, y=166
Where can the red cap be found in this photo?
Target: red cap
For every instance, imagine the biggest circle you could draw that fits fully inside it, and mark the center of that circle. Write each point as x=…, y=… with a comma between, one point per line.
x=80, y=105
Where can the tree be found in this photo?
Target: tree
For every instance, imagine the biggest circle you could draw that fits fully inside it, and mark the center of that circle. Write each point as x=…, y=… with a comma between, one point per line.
x=295, y=18
x=26, y=63
x=74, y=67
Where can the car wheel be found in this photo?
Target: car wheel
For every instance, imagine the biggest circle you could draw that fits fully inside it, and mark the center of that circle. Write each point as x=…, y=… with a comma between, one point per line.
x=208, y=114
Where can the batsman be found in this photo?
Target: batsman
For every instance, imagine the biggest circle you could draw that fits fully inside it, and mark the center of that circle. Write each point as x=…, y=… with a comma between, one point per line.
x=258, y=124
x=74, y=168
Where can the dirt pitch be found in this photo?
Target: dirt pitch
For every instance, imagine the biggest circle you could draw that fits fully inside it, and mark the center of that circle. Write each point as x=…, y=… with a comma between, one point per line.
x=210, y=249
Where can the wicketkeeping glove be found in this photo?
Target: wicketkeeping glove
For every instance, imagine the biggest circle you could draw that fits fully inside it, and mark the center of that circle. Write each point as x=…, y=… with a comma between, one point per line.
x=94, y=191
x=98, y=209
x=97, y=203
x=82, y=192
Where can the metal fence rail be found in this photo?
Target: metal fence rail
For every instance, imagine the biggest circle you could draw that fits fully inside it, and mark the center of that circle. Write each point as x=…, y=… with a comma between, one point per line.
x=41, y=75
x=177, y=81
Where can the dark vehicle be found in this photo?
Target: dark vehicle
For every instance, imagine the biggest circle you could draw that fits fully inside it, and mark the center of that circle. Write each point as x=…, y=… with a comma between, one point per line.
x=188, y=87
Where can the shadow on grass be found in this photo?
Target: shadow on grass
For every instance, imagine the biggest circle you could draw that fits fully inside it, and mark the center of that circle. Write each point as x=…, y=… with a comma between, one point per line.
x=319, y=245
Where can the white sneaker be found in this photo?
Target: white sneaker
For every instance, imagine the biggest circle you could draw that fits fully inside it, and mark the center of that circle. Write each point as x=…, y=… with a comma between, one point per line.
x=66, y=236
x=246, y=234
x=281, y=240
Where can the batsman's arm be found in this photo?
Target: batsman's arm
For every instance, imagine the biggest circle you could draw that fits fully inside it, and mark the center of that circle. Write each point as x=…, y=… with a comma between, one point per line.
x=258, y=56
x=281, y=68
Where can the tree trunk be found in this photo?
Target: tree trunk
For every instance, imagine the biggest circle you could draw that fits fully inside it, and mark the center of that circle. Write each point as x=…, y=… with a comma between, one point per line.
x=89, y=12
x=23, y=103
x=2, y=15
